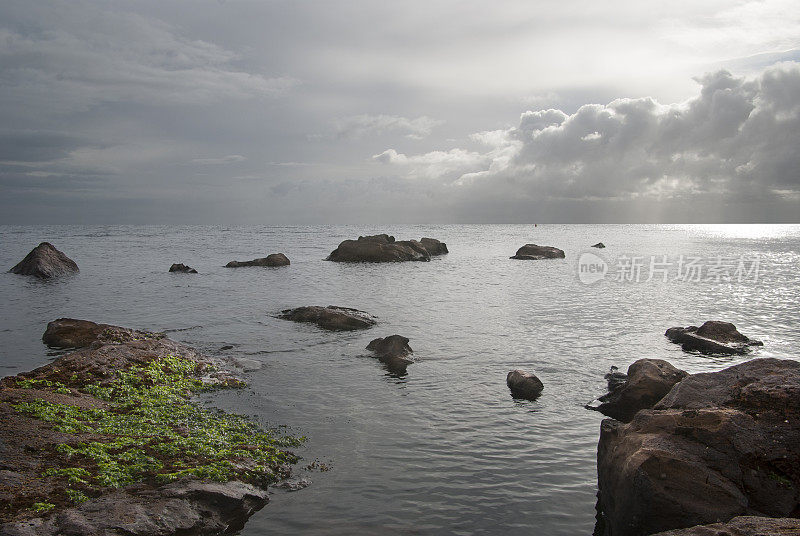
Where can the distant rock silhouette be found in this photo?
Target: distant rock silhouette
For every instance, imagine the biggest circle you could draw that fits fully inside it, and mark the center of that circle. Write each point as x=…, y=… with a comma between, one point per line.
x=532, y=252
x=599, y=245
x=275, y=259
x=182, y=268
x=45, y=261
x=383, y=248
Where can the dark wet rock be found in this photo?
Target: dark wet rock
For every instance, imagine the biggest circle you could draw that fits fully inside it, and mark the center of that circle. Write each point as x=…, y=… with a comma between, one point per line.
x=45, y=261
x=713, y=337
x=648, y=380
x=599, y=245
x=393, y=351
x=182, y=268
x=717, y=446
x=615, y=379
x=433, y=246
x=295, y=485
x=332, y=318
x=524, y=385
x=183, y=507
x=73, y=333
x=272, y=260
x=379, y=248
x=532, y=252
x=742, y=526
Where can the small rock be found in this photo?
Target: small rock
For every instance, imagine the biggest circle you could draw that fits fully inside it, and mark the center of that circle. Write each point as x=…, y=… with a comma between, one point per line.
x=182, y=268
x=45, y=261
x=524, y=385
x=713, y=337
x=393, y=351
x=273, y=260
x=331, y=318
x=297, y=485
x=433, y=246
x=599, y=245
x=532, y=252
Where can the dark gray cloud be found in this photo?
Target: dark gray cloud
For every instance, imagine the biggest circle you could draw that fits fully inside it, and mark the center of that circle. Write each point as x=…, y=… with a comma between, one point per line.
x=243, y=111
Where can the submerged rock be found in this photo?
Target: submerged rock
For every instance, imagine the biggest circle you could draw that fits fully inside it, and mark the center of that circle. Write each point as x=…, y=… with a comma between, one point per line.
x=393, y=351
x=647, y=381
x=713, y=337
x=599, y=245
x=742, y=526
x=272, y=260
x=331, y=317
x=717, y=446
x=532, y=252
x=45, y=261
x=524, y=385
x=182, y=268
x=384, y=248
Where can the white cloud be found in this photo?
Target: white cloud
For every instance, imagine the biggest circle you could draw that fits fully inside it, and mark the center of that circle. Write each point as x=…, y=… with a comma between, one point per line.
x=738, y=139
x=359, y=126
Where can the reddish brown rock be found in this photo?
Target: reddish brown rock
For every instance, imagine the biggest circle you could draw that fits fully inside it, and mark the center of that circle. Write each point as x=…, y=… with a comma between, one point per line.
x=393, y=351
x=524, y=384
x=742, y=526
x=272, y=260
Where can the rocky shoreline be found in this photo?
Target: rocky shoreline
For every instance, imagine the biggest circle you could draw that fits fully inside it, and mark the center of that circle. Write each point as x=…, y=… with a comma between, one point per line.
x=108, y=440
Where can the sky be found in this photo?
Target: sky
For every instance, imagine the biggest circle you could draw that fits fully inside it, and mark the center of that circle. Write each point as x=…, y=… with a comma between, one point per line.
x=442, y=111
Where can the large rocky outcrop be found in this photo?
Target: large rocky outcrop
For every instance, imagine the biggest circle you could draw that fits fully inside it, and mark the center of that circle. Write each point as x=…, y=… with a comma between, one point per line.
x=532, y=252
x=182, y=269
x=393, y=351
x=272, y=260
x=713, y=337
x=331, y=318
x=717, y=446
x=384, y=248
x=648, y=380
x=742, y=526
x=524, y=384
x=45, y=261
x=107, y=440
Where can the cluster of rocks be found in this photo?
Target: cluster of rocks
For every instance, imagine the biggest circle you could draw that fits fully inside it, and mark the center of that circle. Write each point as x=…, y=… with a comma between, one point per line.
x=532, y=252
x=384, y=248
x=713, y=337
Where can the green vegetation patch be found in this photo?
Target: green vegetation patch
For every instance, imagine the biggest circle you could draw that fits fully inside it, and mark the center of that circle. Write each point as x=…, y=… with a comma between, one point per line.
x=152, y=431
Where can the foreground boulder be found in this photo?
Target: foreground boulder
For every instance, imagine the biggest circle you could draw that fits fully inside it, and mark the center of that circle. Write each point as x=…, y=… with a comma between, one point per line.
x=524, y=385
x=182, y=268
x=717, y=446
x=742, y=526
x=275, y=259
x=392, y=351
x=384, y=248
x=73, y=333
x=332, y=318
x=532, y=252
x=45, y=261
x=108, y=440
x=647, y=381
x=713, y=337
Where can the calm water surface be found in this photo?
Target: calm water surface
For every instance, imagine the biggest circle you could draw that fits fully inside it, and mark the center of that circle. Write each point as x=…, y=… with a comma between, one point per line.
x=443, y=449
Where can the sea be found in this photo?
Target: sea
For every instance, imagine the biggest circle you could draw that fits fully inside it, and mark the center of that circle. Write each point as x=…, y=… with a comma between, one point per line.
x=443, y=448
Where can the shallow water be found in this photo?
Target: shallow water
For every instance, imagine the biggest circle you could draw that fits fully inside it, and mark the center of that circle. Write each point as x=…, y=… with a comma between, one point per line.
x=443, y=449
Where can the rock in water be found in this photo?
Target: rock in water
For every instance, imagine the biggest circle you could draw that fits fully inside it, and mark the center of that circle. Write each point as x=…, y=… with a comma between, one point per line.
x=717, y=446
x=532, y=252
x=433, y=246
x=45, y=261
x=332, y=318
x=275, y=259
x=599, y=245
x=742, y=526
x=648, y=380
x=524, y=385
x=72, y=333
x=713, y=337
x=182, y=268
x=393, y=351
x=379, y=248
